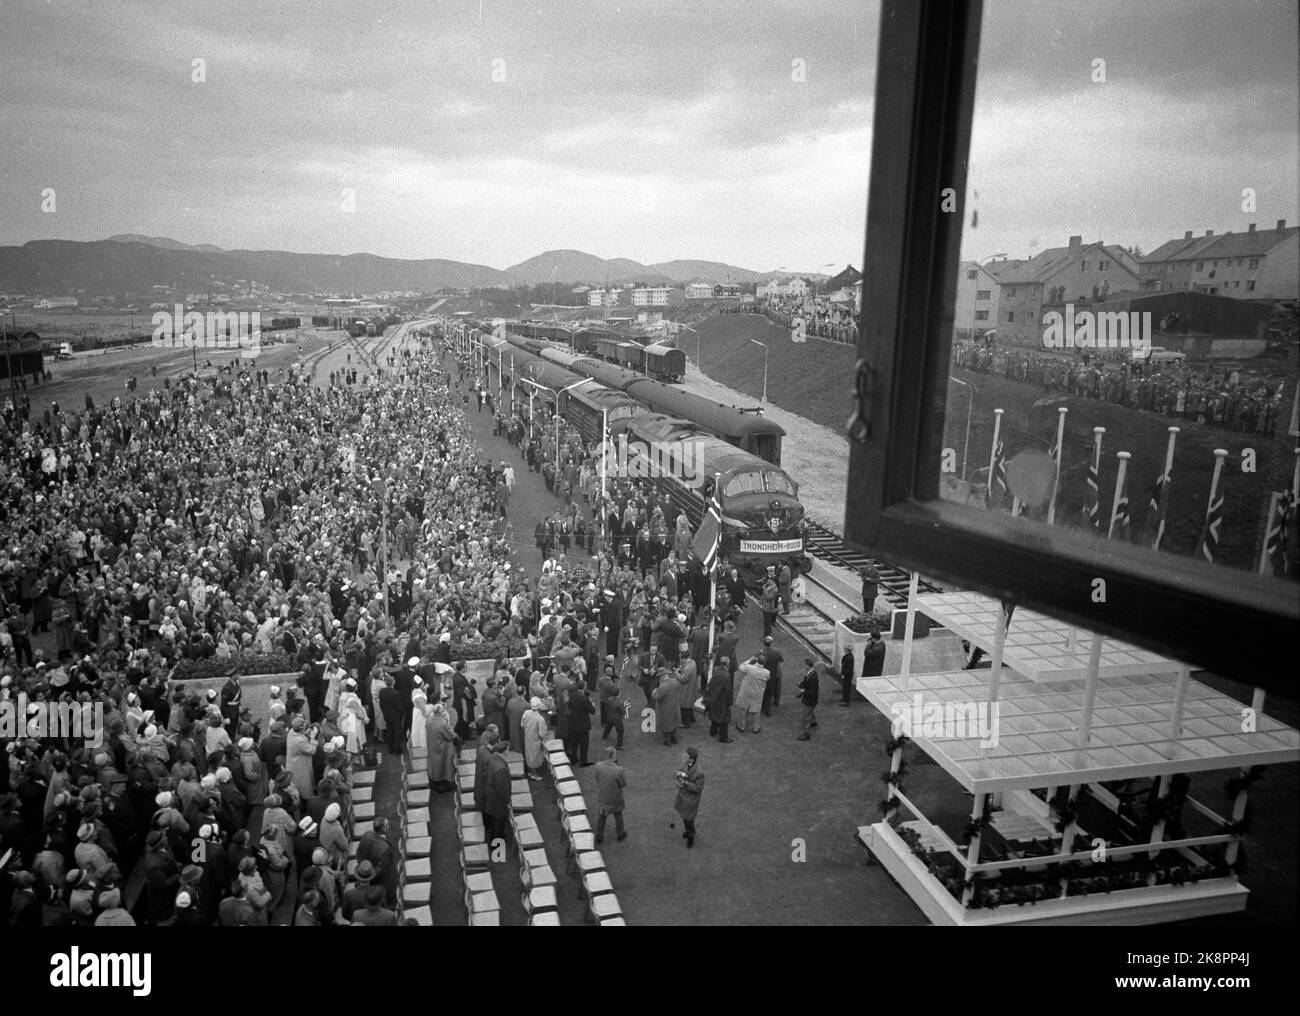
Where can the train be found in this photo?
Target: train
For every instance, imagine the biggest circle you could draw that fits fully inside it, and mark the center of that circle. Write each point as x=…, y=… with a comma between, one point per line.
x=656, y=360
x=684, y=452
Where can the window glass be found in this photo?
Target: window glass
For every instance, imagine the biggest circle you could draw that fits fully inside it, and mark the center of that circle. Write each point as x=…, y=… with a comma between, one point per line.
x=1063, y=415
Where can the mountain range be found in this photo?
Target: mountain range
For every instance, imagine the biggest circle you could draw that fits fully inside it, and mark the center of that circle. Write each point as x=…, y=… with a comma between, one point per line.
x=132, y=263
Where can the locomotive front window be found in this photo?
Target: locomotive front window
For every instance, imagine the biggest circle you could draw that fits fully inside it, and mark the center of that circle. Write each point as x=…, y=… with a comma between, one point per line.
x=744, y=483
x=779, y=483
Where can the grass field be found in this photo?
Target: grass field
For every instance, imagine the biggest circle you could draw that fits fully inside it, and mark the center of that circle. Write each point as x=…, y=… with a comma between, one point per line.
x=814, y=379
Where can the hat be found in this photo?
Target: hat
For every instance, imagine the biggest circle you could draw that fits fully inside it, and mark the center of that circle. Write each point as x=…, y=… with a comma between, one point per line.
x=245, y=743
x=693, y=751
x=536, y=703
x=163, y=800
x=209, y=781
x=332, y=812
x=223, y=774
x=767, y=639
x=320, y=856
x=206, y=832
x=86, y=832
x=414, y=661
x=183, y=899
x=365, y=871
x=307, y=826
x=156, y=838
x=191, y=873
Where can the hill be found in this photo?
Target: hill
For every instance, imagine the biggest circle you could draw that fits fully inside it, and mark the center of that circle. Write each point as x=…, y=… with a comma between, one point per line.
x=165, y=242
x=133, y=263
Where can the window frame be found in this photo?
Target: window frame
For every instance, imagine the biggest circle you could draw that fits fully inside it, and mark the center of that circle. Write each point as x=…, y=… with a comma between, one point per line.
x=924, y=102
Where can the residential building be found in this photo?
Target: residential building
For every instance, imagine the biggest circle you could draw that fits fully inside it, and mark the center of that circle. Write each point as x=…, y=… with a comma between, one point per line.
x=1259, y=264
x=976, y=311
x=50, y=302
x=603, y=297
x=726, y=291
x=1080, y=273
x=700, y=291
x=776, y=289
x=656, y=296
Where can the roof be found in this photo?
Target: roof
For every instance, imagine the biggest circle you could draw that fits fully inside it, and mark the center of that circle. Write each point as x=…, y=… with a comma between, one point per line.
x=725, y=421
x=1047, y=263
x=1226, y=245
x=1037, y=731
x=847, y=277
x=1036, y=645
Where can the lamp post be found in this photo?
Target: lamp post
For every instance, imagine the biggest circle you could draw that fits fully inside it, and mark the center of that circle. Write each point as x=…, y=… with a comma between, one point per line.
x=556, y=394
x=764, y=345
x=970, y=397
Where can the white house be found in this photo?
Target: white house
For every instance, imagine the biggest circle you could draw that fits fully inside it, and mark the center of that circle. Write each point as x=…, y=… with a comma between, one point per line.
x=699, y=291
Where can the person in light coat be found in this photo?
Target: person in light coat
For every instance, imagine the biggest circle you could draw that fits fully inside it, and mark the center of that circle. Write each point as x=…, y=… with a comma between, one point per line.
x=352, y=718
x=668, y=706
x=534, y=727
x=749, y=697
x=442, y=750
x=419, y=719
x=299, y=750
x=690, y=691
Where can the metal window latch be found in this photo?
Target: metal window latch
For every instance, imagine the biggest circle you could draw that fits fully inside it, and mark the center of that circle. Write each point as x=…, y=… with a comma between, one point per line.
x=860, y=421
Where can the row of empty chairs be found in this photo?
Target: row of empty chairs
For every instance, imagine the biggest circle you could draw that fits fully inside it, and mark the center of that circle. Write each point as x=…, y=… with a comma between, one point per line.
x=582, y=858
x=415, y=883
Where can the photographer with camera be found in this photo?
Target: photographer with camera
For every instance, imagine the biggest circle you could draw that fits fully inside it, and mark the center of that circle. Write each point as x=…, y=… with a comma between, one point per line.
x=690, y=787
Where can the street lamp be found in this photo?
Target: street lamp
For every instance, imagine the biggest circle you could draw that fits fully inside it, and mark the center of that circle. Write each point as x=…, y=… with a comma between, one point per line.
x=697, y=345
x=764, y=345
x=556, y=395
x=970, y=397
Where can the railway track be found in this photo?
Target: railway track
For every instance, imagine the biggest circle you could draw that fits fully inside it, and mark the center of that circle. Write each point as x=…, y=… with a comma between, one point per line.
x=894, y=581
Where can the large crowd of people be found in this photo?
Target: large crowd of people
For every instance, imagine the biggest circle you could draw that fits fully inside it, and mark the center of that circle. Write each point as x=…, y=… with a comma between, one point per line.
x=1222, y=398
x=352, y=535
x=821, y=318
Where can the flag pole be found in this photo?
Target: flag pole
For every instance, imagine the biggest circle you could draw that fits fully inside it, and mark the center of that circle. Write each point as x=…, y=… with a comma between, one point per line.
x=993, y=455
x=1165, y=479
x=1119, y=491
x=1060, y=447
x=1219, y=455
x=713, y=585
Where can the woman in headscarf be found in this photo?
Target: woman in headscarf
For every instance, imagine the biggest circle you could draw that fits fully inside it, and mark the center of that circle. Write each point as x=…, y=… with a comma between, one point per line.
x=534, y=727
x=333, y=837
x=276, y=863
x=442, y=750
x=254, y=771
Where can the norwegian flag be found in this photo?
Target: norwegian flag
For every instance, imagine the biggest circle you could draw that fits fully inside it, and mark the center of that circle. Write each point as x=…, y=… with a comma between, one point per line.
x=708, y=540
x=998, y=477
x=1157, y=510
x=1213, y=522
x=1119, y=522
x=1092, y=497
x=1275, y=544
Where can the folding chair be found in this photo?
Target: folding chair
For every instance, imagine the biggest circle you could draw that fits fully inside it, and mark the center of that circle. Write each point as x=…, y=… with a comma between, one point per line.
x=603, y=907
x=595, y=883
x=544, y=919
x=541, y=898
x=474, y=857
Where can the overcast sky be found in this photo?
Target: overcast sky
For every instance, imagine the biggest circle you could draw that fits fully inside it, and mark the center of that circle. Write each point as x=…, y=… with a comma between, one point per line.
x=651, y=130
